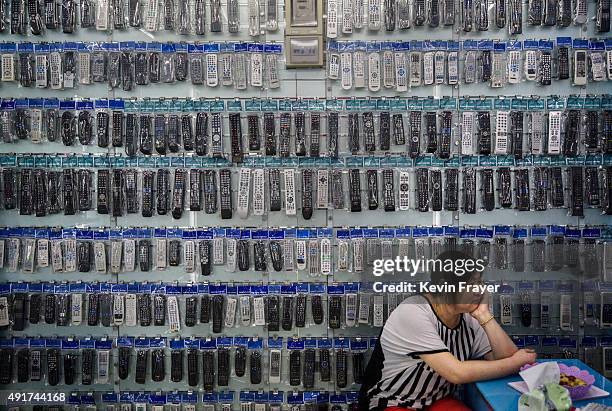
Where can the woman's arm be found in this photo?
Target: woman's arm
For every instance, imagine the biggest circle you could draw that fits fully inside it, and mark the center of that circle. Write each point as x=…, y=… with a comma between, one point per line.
x=463, y=372
x=501, y=345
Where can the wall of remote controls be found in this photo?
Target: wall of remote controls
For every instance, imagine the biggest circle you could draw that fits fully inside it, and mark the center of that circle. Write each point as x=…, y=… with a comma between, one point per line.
x=222, y=244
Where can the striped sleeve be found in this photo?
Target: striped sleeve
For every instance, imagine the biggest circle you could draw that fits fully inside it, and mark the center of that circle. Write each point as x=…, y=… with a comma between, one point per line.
x=481, y=344
x=411, y=331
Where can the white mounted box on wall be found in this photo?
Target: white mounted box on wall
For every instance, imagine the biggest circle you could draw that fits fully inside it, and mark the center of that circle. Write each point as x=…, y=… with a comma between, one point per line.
x=304, y=33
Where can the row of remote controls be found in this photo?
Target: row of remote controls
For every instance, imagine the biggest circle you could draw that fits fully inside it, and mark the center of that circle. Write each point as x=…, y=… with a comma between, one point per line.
x=315, y=256
x=209, y=369
x=445, y=133
x=399, y=71
x=345, y=17
x=37, y=17
x=126, y=70
x=219, y=312
x=118, y=192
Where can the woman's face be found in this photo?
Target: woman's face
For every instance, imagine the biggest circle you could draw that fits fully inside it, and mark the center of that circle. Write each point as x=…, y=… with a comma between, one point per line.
x=469, y=301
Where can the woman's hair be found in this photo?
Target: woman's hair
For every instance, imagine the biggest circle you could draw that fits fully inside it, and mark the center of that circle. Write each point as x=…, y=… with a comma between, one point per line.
x=451, y=268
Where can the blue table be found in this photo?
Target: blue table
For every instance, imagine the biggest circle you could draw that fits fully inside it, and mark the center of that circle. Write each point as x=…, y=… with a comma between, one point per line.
x=497, y=395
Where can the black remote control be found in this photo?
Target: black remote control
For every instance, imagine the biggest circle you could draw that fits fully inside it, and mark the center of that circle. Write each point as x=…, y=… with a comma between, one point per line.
x=273, y=313
x=240, y=358
x=193, y=373
x=205, y=309
x=223, y=366
x=125, y=354
x=217, y=313
x=176, y=365
x=295, y=367
x=309, y=368
x=158, y=368
x=208, y=369
x=142, y=357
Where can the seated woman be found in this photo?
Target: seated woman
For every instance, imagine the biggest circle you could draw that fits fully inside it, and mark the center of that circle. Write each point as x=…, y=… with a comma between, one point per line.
x=433, y=342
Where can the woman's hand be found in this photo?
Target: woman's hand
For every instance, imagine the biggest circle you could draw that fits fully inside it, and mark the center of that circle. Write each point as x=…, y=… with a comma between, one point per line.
x=524, y=356
x=481, y=313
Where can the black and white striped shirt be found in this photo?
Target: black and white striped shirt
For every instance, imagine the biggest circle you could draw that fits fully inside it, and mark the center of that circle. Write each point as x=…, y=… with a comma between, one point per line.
x=397, y=376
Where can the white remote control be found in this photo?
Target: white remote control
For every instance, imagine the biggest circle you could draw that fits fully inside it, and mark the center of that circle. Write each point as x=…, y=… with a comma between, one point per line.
x=254, y=18
x=272, y=65
x=230, y=312
x=116, y=256
x=565, y=312
x=388, y=69
x=212, y=77
x=350, y=310
x=130, y=310
x=467, y=133
x=347, y=16
x=346, y=70
x=364, y=309
x=300, y=254
x=76, y=309
x=42, y=253
x=598, y=66
x=103, y=366
x=374, y=14
x=152, y=19
x=118, y=309
x=57, y=258
x=313, y=257
x=2, y=245
x=41, y=65
x=244, y=192
x=230, y=264
x=84, y=63
x=70, y=260
x=501, y=132
x=359, y=69
x=554, y=132
x=55, y=68
x=428, y=68
x=4, y=313
x=218, y=255
x=226, y=73
x=374, y=71
x=378, y=310
x=332, y=19
x=161, y=253
x=29, y=255
x=100, y=256
x=343, y=255
x=259, y=311
x=391, y=303
x=537, y=132
x=325, y=256
x=322, y=188
x=14, y=252
x=174, y=319
x=189, y=247
x=36, y=125
x=531, y=65
x=129, y=255
x=514, y=67
x=256, y=70
x=358, y=6
x=401, y=72
x=580, y=67
x=358, y=252
x=8, y=67
x=29, y=258
x=453, y=68
x=334, y=66
x=288, y=255
x=439, y=67
x=245, y=310
x=259, y=196
x=102, y=14
x=290, y=205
